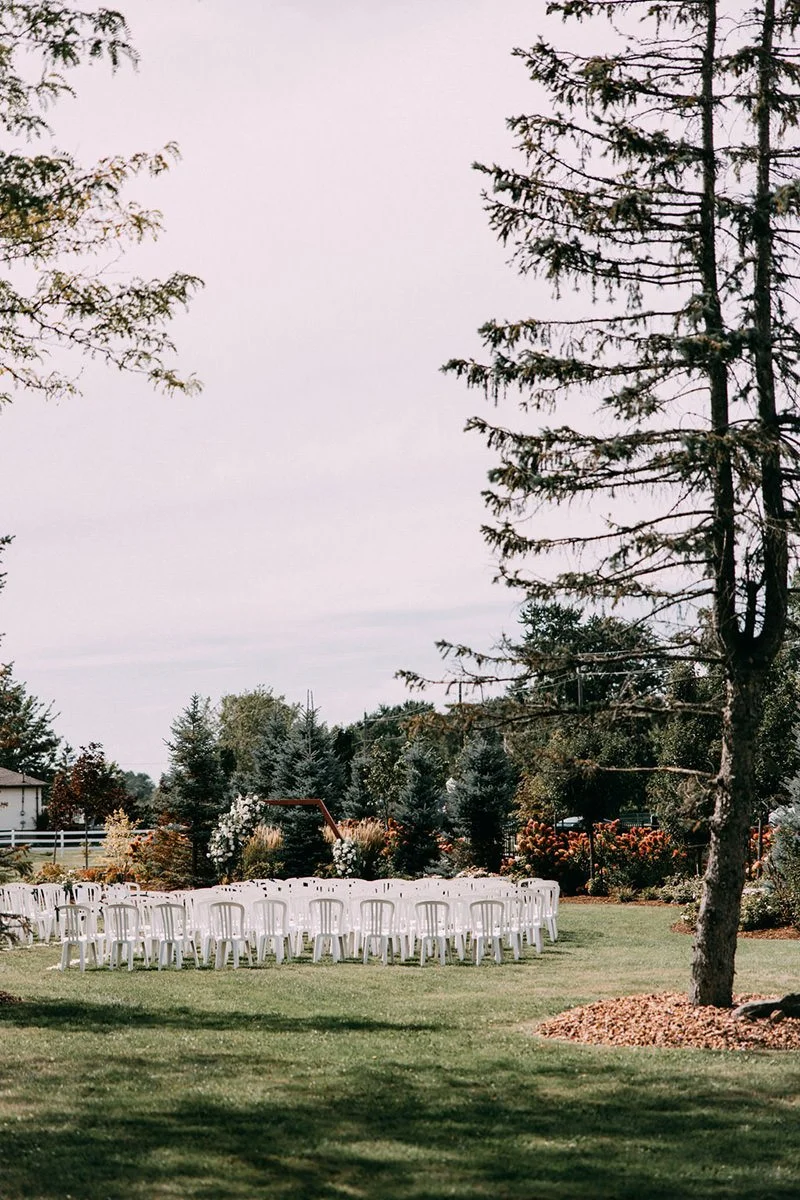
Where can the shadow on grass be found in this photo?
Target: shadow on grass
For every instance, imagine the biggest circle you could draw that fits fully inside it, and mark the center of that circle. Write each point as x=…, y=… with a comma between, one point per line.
x=399, y=1133
x=85, y=1015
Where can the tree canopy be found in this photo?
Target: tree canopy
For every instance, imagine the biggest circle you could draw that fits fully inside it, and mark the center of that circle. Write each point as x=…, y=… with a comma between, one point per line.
x=28, y=741
x=58, y=215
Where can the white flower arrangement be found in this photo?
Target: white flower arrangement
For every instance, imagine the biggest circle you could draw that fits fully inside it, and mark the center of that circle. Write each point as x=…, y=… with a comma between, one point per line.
x=346, y=858
x=234, y=828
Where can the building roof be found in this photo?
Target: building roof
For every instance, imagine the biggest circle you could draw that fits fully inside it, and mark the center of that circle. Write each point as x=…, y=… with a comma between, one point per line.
x=13, y=779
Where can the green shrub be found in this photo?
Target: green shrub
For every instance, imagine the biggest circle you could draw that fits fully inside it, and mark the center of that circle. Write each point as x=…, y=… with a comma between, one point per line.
x=762, y=910
x=680, y=889
x=783, y=867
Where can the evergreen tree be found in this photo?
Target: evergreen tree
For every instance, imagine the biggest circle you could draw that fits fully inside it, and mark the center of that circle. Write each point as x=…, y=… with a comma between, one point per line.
x=306, y=767
x=28, y=742
x=248, y=724
x=195, y=790
x=260, y=778
x=420, y=810
x=659, y=180
x=377, y=746
x=483, y=797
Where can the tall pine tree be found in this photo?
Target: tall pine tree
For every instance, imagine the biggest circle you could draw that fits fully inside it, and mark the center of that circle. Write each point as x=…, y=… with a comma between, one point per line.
x=658, y=178
x=420, y=810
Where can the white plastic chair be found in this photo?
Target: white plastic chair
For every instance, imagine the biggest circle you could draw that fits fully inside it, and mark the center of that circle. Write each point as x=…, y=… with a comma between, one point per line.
x=228, y=932
x=377, y=927
x=270, y=929
x=551, y=891
x=326, y=915
x=171, y=935
x=487, y=927
x=531, y=916
x=46, y=896
x=433, y=929
x=77, y=929
x=123, y=934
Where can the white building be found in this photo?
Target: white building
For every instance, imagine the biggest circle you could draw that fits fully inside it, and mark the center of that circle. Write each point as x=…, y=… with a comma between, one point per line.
x=20, y=800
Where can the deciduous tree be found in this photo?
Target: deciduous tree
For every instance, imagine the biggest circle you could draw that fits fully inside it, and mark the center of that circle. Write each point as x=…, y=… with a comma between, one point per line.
x=59, y=216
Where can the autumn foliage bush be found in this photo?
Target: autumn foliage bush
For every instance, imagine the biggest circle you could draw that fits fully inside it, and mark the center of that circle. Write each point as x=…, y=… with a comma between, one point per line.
x=624, y=858
x=637, y=858
x=162, y=859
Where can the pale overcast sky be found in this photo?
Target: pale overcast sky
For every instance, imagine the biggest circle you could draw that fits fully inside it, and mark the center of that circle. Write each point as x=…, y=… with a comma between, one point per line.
x=311, y=521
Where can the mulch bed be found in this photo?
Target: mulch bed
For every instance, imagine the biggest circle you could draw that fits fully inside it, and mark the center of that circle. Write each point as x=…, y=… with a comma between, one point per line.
x=669, y=1020
x=7, y=998
x=786, y=933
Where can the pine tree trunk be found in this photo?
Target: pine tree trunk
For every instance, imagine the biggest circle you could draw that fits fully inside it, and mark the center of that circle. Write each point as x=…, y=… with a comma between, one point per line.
x=718, y=922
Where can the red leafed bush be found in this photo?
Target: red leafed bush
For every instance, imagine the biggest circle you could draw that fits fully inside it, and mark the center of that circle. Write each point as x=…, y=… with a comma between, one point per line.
x=543, y=852
x=637, y=858
x=757, y=864
x=163, y=859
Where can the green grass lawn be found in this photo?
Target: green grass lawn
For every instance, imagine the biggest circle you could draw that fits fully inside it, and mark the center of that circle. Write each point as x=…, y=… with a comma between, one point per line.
x=395, y=1083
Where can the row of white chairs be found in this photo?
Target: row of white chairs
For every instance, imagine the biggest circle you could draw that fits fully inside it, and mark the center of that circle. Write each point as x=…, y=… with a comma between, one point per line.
x=337, y=916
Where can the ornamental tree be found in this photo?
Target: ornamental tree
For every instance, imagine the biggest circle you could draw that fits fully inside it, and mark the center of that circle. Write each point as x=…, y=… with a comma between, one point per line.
x=656, y=192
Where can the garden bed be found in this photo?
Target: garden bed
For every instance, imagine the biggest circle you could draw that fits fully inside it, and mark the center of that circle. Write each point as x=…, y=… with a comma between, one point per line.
x=669, y=1020
x=783, y=933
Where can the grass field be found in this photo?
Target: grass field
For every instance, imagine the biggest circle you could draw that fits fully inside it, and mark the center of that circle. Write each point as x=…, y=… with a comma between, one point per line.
x=394, y=1083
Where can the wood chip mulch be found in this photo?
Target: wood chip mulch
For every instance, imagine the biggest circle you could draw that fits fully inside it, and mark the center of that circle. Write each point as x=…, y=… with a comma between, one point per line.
x=669, y=1020
x=7, y=998
x=786, y=933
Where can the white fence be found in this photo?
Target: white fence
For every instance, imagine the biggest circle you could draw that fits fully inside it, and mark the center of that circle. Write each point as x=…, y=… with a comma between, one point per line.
x=56, y=839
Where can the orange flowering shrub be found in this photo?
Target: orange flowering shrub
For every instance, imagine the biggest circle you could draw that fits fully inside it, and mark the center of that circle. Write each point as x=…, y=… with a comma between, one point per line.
x=757, y=865
x=543, y=852
x=637, y=858
x=393, y=840
x=634, y=858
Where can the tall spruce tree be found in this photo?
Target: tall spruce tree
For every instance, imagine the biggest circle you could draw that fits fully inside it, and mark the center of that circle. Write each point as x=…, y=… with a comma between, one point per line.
x=659, y=179
x=483, y=796
x=420, y=809
x=195, y=789
x=306, y=768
